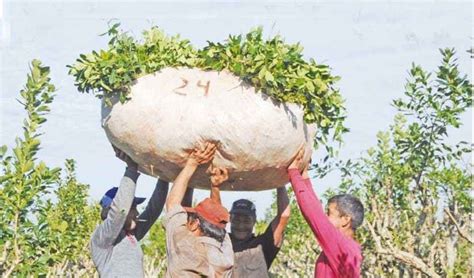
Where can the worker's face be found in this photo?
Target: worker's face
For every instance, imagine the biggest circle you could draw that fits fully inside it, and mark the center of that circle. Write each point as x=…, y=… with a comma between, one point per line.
x=241, y=225
x=131, y=221
x=339, y=220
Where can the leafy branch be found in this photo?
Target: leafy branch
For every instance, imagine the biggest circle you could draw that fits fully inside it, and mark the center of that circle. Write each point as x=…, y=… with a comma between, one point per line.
x=36, y=233
x=272, y=66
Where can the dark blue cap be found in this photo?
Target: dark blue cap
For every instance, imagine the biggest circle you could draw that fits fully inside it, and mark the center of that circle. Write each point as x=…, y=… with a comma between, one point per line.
x=243, y=206
x=109, y=196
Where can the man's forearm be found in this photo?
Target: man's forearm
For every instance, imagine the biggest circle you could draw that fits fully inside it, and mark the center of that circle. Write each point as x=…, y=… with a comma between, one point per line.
x=283, y=214
x=283, y=202
x=216, y=194
x=180, y=185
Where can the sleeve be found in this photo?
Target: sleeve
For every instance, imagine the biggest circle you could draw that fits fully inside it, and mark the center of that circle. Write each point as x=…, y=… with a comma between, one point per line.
x=108, y=231
x=175, y=219
x=268, y=246
x=183, y=250
x=152, y=210
x=330, y=239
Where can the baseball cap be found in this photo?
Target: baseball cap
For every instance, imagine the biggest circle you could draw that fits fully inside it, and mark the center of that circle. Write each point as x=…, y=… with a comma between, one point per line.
x=243, y=206
x=109, y=196
x=212, y=212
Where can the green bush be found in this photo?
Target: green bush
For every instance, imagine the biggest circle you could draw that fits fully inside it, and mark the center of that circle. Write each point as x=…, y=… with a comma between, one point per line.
x=37, y=234
x=416, y=191
x=414, y=185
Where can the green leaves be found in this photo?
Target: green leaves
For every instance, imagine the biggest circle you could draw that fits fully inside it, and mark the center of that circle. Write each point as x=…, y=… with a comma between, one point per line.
x=415, y=174
x=109, y=73
x=278, y=70
x=35, y=233
x=271, y=66
x=23, y=181
x=408, y=181
x=435, y=105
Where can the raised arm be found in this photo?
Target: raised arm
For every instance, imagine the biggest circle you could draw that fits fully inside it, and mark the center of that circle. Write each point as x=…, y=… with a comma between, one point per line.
x=196, y=158
x=280, y=221
x=108, y=231
x=153, y=209
x=218, y=176
x=330, y=239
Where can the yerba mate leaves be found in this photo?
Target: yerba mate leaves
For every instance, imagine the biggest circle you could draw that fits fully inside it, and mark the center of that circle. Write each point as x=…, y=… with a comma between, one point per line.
x=272, y=66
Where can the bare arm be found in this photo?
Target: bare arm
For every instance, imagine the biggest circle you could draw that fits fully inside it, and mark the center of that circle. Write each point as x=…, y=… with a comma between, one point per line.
x=197, y=157
x=283, y=215
x=218, y=176
x=216, y=194
x=180, y=185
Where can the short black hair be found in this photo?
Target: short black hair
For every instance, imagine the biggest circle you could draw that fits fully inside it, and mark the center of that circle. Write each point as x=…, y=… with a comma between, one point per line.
x=349, y=205
x=208, y=229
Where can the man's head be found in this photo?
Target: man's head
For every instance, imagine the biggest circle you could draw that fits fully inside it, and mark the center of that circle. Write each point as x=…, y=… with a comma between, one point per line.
x=208, y=218
x=131, y=221
x=345, y=212
x=242, y=219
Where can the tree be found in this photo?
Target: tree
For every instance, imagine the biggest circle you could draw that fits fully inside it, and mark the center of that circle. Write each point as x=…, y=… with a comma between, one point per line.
x=36, y=233
x=154, y=250
x=71, y=220
x=413, y=184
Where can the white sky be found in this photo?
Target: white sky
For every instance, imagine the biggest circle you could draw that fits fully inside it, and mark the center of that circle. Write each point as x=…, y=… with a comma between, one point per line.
x=370, y=45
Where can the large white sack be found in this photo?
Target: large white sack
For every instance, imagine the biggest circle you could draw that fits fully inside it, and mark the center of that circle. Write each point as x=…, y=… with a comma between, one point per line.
x=172, y=110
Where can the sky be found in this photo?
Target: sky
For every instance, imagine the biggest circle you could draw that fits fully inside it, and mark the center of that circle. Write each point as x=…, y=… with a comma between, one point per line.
x=371, y=45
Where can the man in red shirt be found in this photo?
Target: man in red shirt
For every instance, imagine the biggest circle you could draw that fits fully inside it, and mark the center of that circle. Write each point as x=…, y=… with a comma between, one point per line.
x=335, y=232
